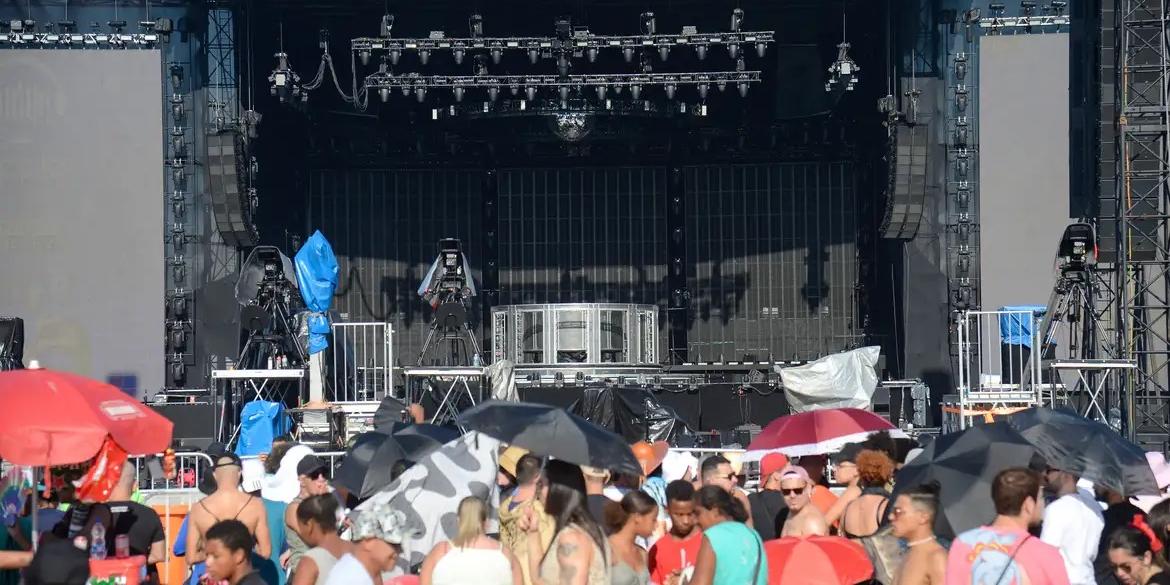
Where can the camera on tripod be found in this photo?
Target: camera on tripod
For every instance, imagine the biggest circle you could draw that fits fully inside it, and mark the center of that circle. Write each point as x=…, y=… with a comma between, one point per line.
x=454, y=278
x=1078, y=248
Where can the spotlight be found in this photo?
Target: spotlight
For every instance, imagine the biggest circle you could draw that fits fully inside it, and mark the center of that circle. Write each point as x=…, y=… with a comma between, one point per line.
x=737, y=20
x=649, y=23
x=493, y=93
x=722, y=85
x=591, y=54
x=459, y=56
x=420, y=93
x=670, y=87
x=628, y=54
x=997, y=8
x=405, y=90
x=533, y=55
x=703, y=89
x=663, y=52
x=1058, y=7
x=386, y=26
x=530, y=93
x=476, y=26
x=424, y=55
x=364, y=56
x=601, y=92
x=761, y=49
x=733, y=50
x=384, y=93
x=163, y=26
x=564, y=92
x=1028, y=7
x=635, y=91
x=458, y=91
x=497, y=55
x=563, y=64
x=743, y=88
x=176, y=77
x=395, y=55
x=701, y=51
x=515, y=89
x=843, y=71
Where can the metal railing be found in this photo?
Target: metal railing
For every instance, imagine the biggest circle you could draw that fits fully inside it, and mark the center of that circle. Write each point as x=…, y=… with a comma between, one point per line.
x=997, y=369
x=362, y=369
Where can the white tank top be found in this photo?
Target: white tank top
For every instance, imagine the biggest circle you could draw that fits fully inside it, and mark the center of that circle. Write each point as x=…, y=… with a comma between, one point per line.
x=472, y=566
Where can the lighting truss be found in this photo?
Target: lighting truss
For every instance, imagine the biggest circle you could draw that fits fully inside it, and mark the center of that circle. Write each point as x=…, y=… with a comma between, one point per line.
x=582, y=42
x=384, y=82
x=1014, y=23
x=86, y=40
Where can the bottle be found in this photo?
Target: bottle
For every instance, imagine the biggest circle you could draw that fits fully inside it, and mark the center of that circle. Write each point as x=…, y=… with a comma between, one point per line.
x=97, y=541
x=122, y=546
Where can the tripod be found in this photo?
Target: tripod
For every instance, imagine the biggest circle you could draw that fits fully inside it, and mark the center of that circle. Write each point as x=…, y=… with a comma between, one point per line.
x=449, y=327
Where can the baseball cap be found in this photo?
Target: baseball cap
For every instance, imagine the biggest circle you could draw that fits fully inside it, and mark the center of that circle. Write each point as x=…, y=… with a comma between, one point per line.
x=310, y=464
x=771, y=463
x=795, y=472
x=234, y=460
x=379, y=521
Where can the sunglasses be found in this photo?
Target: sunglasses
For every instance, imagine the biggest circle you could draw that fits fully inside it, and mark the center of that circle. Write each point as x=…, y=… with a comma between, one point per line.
x=320, y=473
x=792, y=491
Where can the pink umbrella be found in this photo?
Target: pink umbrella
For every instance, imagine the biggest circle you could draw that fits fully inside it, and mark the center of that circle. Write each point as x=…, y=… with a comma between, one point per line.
x=819, y=431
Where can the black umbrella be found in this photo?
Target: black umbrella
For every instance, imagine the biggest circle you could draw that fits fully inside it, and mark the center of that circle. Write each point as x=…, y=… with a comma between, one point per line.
x=367, y=464
x=551, y=431
x=421, y=440
x=1087, y=448
x=964, y=464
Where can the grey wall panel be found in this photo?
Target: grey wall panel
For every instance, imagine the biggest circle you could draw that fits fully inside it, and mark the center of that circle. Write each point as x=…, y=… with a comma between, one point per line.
x=384, y=226
x=81, y=209
x=772, y=252
x=1023, y=166
x=582, y=235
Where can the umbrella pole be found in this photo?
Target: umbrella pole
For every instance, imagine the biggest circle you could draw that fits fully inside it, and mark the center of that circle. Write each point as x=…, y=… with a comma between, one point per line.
x=34, y=503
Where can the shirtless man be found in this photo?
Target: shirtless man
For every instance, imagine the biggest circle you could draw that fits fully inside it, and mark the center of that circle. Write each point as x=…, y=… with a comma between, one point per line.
x=716, y=470
x=227, y=502
x=912, y=519
x=804, y=519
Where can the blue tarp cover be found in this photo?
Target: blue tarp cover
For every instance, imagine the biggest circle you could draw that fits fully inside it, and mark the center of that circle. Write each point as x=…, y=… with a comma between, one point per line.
x=317, y=279
x=1016, y=328
x=261, y=422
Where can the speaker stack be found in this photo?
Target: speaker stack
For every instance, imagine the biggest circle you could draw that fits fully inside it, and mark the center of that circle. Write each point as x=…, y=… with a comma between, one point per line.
x=231, y=200
x=906, y=191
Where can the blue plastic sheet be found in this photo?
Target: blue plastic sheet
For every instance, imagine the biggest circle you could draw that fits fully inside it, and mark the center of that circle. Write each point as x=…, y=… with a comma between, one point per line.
x=317, y=278
x=1016, y=328
x=261, y=422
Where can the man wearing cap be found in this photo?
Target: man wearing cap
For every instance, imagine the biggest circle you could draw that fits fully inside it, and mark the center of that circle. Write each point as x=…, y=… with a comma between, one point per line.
x=377, y=533
x=804, y=519
x=312, y=475
x=768, y=509
x=227, y=502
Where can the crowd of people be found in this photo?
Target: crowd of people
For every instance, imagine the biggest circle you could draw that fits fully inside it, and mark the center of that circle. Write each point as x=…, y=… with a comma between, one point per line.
x=683, y=522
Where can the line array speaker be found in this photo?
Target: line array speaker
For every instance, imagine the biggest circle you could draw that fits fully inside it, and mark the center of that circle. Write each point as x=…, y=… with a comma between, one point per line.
x=906, y=190
x=231, y=202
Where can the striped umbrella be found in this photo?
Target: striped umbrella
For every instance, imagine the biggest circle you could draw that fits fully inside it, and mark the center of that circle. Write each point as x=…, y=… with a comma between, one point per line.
x=552, y=432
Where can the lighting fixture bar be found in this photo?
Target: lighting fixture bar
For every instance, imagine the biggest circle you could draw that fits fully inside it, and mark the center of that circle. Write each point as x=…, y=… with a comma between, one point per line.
x=1025, y=22
x=79, y=39
x=386, y=80
x=575, y=43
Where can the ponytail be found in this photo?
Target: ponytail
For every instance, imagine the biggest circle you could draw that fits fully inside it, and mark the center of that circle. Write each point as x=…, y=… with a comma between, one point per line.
x=713, y=497
x=635, y=503
x=472, y=515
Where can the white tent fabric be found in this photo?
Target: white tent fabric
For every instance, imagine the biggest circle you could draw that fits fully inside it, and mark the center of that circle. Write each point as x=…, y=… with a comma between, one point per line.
x=840, y=380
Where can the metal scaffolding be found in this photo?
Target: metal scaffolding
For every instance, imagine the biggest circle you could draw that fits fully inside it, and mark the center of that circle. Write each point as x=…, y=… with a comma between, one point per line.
x=1143, y=229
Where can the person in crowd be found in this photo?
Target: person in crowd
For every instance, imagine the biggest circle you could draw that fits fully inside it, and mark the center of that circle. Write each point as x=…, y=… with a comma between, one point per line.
x=47, y=513
x=228, y=546
x=227, y=502
x=1072, y=523
x=1120, y=512
x=677, y=551
x=506, y=478
x=650, y=456
x=472, y=556
x=377, y=533
x=57, y=562
x=636, y=516
x=121, y=515
x=863, y=516
x=1133, y=553
x=515, y=508
x=767, y=503
x=317, y=525
x=730, y=553
x=844, y=464
x=1005, y=551
x=313, y=477
x=717, y=471
x=1159, y=519
x=912, y=520
x=595, y=498
x=276, y=452
x=822, y=497
x=579, y=553
x=804, y=518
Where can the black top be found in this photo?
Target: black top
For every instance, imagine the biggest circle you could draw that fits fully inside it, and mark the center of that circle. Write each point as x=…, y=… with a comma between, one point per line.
x=252, y=579
x=140, y=523
x=596, y=503
x=1162, y=578
x=768, y=513
x=1116, y=516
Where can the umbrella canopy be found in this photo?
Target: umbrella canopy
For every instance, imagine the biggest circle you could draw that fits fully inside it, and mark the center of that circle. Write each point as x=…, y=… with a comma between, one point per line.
x=1088, y=448
x=964, y=464
x=553, y=432
x=818, y=431
x=56, y=418
x=817, y=560
x=367, y=465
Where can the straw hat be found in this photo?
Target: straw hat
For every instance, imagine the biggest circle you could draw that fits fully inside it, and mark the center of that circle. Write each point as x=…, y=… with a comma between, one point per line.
x=650, y=455
x=510, y=458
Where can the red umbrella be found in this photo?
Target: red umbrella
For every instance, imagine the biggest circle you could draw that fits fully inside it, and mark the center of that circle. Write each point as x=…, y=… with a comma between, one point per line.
x=56, y=418
x=819, y=431
x=817, y=560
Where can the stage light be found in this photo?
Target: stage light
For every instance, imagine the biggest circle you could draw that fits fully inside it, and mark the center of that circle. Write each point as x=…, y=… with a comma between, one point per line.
x=420, y=93
x=670, y=87
x=395, y=55
x=533, y=55
x=636, y=91
x=458, y=91
x=497, y=55
x=530, y=93
x=701, y=51
x=1058, y=7
x=386, y=26
x=364, y=56
x=761, y=49
x=736, y=20
x=563, y=64
x=601, y=92
x=703, y=88
x=733, y=49
x=649, y=23
x=628, y=54
x=591, y=54
x=564, y=92
x=515, y=89
x=722, y=85
x=176, y=77
x=424, y=56
x=458, y=56
x=405, y=90
x=743, y=89
x=663, y=52
x=843, y=71
x=476, y=26
x=493, y=93
x=1028, y=7
x=997, y=8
